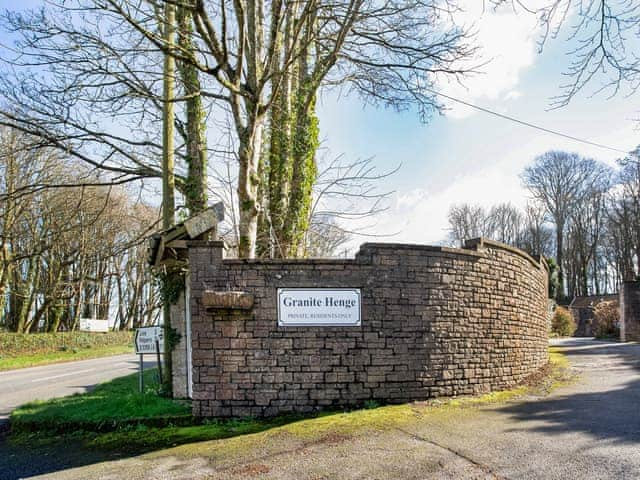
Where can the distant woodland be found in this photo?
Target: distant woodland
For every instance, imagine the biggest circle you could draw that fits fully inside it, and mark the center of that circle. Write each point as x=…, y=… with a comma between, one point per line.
x=581, y=214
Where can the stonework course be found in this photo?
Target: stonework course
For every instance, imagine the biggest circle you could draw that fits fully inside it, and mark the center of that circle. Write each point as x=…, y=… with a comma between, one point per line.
x=630, y=311
x=436, y=321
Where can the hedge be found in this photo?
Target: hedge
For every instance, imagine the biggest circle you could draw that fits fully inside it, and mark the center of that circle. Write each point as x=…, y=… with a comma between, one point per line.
x=16, y=344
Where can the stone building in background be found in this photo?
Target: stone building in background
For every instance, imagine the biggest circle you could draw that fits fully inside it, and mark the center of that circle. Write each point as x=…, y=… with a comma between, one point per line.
x=582, y=309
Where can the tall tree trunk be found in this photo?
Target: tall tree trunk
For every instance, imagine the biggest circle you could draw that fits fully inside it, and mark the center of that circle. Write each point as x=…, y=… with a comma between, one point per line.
x=77, y=311
x=264, y=247
x=250, y=142
x=5, y=275
x=168, y=118
x=168, y=180
x=584, y=277
x=32, y=299
x=53, y=309
x=27, y=288
x=196, y=141
x=281, y=121
x=559, y=259
x=305, y=144
x=251, y=108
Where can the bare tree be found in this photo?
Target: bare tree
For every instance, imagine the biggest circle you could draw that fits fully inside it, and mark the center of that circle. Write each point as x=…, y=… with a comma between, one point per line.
x=85, y=82
x=623, y=220
x=537, y=237
x=466, y=221
x=325, y=237
x=63, y=246
x=505, y=224
x=243, y=48
x=560, y=181
x=584, y=239
x=605, y=34
x=630, y=182
x=78, y=79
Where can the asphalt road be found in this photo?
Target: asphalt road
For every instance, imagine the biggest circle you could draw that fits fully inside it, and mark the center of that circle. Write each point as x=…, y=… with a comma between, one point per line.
x=49, y=381
x=40, y=383
x=589, y=429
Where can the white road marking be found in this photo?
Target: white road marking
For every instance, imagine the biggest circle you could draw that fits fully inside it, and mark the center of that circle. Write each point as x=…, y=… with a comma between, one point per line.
x=77, y=372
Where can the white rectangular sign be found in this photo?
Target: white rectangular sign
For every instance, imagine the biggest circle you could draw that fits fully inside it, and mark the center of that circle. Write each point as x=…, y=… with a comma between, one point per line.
x=146, y=339
x=319, y=307
x=94, y=325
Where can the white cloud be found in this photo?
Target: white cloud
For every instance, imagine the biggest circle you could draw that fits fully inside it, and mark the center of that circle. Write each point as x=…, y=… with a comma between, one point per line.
x=513, y=95
x=420, y=216
x=507, y=42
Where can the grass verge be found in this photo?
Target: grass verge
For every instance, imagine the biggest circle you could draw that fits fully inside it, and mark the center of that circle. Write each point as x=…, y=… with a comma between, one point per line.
x=142, y=423
x=111, y=405
x=36, y=359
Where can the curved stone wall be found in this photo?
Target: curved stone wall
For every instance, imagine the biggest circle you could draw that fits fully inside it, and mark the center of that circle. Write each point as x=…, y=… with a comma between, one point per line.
x=436, y=321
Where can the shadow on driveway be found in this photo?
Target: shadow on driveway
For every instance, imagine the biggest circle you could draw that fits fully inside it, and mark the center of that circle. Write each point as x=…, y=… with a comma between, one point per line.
x=608, y=408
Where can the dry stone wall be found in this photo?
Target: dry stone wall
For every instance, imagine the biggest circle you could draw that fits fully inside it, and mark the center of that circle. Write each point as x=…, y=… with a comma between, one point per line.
x=436, y=322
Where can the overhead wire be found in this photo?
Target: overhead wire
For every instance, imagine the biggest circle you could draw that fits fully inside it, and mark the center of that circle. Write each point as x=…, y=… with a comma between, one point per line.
x=527, y=124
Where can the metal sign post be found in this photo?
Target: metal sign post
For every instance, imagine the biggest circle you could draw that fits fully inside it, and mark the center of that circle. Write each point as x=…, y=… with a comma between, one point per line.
x=159, y=361
x=141, y=380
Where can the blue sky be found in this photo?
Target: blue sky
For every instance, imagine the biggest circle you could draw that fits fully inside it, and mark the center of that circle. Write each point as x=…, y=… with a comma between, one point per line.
x=471, y=156
x=467, y=155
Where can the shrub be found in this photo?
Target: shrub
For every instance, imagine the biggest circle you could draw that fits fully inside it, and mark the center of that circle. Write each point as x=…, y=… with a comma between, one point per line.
x=563, y=323
x=606, y=317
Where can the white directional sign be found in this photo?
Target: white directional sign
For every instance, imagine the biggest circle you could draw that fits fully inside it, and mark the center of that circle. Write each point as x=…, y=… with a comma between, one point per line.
x=94, y=325
x=318, y=307
x=146, y=339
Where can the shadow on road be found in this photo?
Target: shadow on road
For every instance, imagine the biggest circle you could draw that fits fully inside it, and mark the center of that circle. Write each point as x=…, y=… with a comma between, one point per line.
x=20, y=462
x=609, y=411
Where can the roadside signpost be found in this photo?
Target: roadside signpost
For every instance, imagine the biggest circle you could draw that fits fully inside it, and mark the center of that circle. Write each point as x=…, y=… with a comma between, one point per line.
x=149, y=340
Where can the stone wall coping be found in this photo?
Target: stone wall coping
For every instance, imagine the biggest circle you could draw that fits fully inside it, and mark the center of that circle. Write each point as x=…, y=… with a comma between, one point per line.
x=289, y=261
x=472, y=248
x=418, y=247
x=364, y=249
x=483, y=242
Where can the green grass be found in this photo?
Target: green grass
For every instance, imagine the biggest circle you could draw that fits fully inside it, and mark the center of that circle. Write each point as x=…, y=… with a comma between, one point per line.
x=142, y=438
x=110, y=405
x=115, y=417
x=36, y=359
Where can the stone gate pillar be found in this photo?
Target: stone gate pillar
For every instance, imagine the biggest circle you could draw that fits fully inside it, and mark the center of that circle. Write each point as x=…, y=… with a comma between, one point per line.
x=630, y=311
